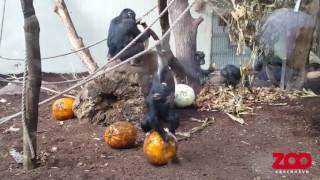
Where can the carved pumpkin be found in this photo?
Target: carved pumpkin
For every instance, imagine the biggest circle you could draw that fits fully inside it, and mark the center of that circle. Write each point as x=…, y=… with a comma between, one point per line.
x=121, y=135
x=157, y=151
x=62, y=109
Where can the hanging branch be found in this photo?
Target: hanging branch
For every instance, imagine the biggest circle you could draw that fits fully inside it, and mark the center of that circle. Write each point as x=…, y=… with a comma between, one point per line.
x=75, y=40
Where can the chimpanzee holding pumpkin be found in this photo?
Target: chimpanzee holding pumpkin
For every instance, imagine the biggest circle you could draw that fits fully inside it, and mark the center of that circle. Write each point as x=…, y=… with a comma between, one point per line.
x=160, y=101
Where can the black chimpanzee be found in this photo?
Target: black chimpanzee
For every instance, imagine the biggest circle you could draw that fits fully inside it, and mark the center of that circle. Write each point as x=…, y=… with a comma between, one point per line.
x=160, y=101
x=231, y=75
x=200, y=60
x=270, y=67
x=122, y=30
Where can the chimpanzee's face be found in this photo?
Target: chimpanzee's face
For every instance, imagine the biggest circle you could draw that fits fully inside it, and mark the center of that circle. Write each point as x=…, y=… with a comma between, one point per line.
x=128, y=14
x=161, y=92
x=200, y=58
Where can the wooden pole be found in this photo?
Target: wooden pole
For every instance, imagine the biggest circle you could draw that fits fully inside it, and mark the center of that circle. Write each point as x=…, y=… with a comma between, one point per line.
x=33, y=62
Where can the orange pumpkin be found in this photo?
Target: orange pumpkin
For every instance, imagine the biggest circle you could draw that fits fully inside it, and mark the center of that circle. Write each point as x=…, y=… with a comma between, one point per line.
x=62, y=109
x=157, y=151
x=121, y=135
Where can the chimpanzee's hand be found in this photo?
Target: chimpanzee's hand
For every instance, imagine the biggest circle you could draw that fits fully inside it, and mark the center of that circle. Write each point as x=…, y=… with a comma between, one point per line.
x=142, y=23
x=164, y=136
x=172, y=136
x=147, y=134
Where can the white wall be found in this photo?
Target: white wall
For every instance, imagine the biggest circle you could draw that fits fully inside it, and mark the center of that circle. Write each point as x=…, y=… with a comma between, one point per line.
x=91, y=19
x=204, y=33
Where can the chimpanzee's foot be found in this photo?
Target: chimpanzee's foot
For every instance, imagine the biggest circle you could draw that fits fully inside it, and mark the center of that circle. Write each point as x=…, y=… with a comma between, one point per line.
x=175, y=159
x=148, y=133
x=170, y=134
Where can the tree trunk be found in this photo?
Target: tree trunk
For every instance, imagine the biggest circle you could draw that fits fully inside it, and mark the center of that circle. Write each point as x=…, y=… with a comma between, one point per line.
x=318, y=32
x=318, y=41
x=174, y=64
x=164, y=20
x=75, y=40
x=164, y=24
x=283, y=37
x=295, y=71
x=185, y=34
x=32, y=30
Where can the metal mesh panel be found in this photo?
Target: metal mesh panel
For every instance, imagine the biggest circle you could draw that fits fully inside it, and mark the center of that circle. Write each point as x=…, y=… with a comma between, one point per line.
x=223, y=52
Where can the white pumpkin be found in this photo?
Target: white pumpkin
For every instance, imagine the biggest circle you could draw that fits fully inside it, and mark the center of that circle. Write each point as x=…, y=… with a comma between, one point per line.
x=184, y=95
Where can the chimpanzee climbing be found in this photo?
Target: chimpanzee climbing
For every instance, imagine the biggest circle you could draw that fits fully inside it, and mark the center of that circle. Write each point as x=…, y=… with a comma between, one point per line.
x=122, y=30
x=160, y=101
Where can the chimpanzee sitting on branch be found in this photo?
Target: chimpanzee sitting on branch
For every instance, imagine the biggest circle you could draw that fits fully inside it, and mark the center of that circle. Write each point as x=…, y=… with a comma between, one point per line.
x=123, y=29
x=160, y=101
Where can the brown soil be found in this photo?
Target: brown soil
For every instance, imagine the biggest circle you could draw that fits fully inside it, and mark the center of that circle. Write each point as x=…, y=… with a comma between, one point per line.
x=223, y=150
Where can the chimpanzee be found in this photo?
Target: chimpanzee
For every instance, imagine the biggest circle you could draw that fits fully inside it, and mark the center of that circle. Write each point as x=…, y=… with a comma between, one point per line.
x=231, y=75
x=273, y=72
x=271, y=66
x=122, y=30
x=160, y=101
x=200, y=60
x=312, y=67
x=260, y=70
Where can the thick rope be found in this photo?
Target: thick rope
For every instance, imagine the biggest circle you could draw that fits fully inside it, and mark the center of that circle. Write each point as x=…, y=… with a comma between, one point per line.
x=2, y=20
x=297, y=6
x=43, y=82
x=68, y=53
x=44, y=88
x=98, y=72
x=23, y=106
x=57, y=56
x=147, y=13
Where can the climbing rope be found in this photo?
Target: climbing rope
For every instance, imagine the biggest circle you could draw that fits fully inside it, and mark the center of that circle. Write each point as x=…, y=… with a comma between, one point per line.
x=57, y=56
x=23, y=107
x=64, y=54
x=147, y=13
x=2, y=20
x=103, y=69
x=43, y=82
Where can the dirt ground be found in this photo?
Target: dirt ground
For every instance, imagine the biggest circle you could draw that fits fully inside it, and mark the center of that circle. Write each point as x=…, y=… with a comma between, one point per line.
x=223, y=150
